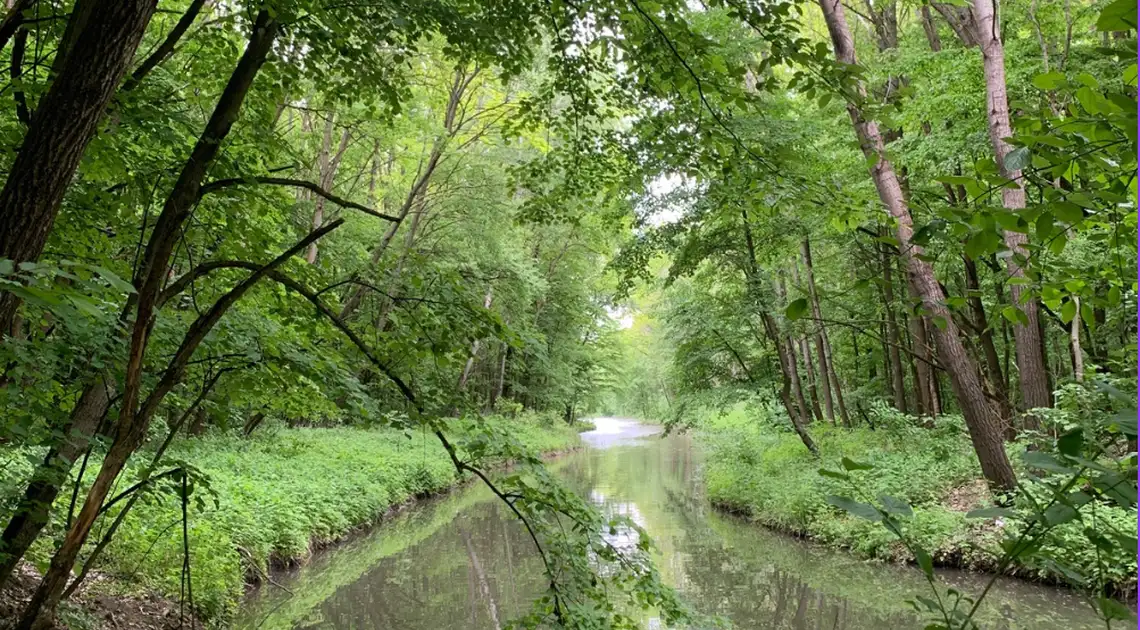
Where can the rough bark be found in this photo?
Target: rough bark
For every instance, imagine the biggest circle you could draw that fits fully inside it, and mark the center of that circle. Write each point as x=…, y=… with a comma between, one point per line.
x=65, y=121
x=983, y=424
x=961, y=21
x=1033, y=376
x=931, y=29
x=133, y=420
x=33, y=511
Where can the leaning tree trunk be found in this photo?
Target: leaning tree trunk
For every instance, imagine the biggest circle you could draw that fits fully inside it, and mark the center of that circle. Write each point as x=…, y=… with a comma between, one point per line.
x=152, y=275
x=984, y=426
x=33, y=511
x=1033, y=376
x=65, y=121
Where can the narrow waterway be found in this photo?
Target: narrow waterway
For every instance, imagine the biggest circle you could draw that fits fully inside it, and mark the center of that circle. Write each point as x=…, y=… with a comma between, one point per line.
x=461, y=562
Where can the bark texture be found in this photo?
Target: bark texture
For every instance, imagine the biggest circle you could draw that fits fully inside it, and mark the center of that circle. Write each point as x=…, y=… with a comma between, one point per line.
x=1033, y=376
x=982, y=422
x=65, y=121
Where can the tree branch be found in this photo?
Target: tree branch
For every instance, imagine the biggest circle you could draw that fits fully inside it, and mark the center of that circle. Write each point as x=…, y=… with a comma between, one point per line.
x=297, y=183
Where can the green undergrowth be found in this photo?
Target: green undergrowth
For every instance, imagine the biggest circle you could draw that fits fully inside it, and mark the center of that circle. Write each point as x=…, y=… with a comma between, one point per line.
x=272, y=500
x=758, y=468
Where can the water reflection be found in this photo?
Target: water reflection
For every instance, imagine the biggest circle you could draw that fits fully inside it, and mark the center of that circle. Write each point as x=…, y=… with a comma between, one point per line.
x=461, y=562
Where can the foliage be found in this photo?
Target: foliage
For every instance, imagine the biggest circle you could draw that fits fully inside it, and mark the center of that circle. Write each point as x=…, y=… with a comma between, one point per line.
x=276, y=498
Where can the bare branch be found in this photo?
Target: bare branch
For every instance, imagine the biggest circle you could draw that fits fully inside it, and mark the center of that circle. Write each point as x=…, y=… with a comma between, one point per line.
x=297, y=183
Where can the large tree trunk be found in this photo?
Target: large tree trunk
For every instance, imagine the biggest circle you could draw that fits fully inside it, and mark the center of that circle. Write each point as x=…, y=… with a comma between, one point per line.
x=65, y=121
x=1033, y=376
x=152, y=274
x=804, y=348
x=33, y=511
x=983, y=424
x=827, y=365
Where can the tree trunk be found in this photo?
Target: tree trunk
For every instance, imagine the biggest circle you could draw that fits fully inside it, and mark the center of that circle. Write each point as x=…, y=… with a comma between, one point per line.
x=809, y=366
x=785, y=358
x=33, y=511
x=894, y=359
x=1033, y=376
x=793, y=368
x=327, y=165
x=982, y=422
x=1075, y=343
x=931, y=29
x=64, y=123
x=986, y=338
x=805, y=352
x=827, y=365
x=152, y=274
x=961, y=21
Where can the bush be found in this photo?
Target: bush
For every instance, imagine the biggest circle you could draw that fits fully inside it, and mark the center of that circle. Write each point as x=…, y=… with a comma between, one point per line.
x=757, y=466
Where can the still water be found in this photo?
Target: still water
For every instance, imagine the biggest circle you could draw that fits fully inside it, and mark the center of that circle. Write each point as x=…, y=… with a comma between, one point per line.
x=461, y=562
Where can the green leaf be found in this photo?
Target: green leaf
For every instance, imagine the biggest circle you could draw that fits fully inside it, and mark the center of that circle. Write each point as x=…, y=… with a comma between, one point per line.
x=1071, y=443
x=1017, y=159
x=113, y=279
x=1015, y=315
x=796, y=309
x=1045, y=461
x=862, y=510
x=1068, y=311
x=1110, y=608
x=833, y=474
x=925, y=562
x=1048, y=80
x=892, y=505
x=850, y=464
x=1119, y=15
x=1059, y=514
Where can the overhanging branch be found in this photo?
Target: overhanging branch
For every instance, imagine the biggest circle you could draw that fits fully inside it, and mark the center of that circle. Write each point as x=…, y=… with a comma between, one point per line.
x=296, y=183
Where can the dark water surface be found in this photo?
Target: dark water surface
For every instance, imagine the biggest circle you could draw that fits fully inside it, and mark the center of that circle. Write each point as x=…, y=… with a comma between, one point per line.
x=461, y=562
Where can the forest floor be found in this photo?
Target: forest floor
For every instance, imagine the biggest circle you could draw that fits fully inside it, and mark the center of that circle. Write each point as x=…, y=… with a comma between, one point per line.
x=260, y=503
x=764, y=473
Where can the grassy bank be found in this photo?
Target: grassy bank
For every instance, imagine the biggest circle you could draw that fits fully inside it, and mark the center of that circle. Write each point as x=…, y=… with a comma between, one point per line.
x=758, y=468
x=273, y=499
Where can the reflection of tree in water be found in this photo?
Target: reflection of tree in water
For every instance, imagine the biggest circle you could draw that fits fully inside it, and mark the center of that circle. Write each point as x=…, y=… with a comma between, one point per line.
x=477, y=573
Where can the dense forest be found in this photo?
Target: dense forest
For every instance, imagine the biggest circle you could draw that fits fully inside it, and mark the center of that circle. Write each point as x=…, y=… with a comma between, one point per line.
x=257, y=257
